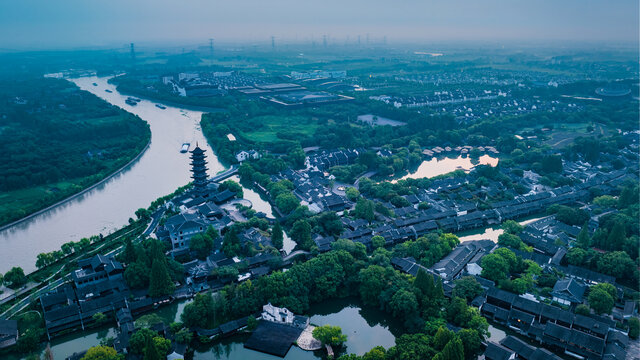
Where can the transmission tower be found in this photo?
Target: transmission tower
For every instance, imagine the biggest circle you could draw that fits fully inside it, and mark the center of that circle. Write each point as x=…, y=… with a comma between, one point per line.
x=132, y=51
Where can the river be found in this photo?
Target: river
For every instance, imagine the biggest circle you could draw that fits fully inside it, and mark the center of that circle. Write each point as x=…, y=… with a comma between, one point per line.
x=158, y=172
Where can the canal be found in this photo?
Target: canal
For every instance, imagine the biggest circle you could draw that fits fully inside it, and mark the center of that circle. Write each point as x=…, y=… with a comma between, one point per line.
x=106, y=208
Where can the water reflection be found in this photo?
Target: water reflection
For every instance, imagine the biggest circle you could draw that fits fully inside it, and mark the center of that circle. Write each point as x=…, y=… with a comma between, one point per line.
x=365, y=328
x=491, y=233
x=440, y=166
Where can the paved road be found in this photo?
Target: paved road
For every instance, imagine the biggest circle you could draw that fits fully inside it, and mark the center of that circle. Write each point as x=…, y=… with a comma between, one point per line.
x=155, y=219
x=294, y=254
x=225, y=174
x=365, y=175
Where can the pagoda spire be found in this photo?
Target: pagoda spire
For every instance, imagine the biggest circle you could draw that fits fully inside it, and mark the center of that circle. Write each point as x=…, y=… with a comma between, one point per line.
x=199, y=171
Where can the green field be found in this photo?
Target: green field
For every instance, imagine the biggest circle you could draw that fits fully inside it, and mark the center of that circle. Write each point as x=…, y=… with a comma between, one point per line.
x=22, y=202
x=270, y=128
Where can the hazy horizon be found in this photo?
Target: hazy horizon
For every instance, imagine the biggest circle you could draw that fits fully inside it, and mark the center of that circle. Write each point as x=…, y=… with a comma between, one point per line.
x=41, y=24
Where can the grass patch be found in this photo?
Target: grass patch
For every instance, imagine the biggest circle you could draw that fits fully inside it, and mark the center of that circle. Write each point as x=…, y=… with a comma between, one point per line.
x=270, y=128
x=25, y=201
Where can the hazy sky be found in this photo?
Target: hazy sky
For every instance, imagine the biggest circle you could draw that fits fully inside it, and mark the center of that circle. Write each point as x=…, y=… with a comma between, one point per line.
x=63, y=23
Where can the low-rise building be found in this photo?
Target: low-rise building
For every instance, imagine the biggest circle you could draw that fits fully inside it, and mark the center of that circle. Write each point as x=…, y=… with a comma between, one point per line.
x=8, y=333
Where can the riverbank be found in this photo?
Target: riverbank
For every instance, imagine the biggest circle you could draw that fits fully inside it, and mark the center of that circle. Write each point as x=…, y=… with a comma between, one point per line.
x=108, y=205
x=81, y=192
x=166, y=102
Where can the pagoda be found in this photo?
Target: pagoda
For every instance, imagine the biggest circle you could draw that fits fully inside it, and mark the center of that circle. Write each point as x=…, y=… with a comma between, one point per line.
x=199, y=171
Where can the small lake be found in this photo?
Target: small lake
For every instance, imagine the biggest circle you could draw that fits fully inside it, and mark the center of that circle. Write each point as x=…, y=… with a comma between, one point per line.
x=491, y=233
x=441, y=166
x=365, y=327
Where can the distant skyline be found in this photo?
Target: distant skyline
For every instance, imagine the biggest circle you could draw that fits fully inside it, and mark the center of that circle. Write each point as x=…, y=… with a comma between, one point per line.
x=46, y=24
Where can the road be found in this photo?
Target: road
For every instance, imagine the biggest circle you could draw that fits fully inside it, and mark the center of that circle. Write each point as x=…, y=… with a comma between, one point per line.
x=294, y=254
x=365, y=175
x=225, y=174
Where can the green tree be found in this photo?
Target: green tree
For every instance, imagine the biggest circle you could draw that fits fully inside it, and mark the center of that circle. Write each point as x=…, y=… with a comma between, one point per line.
x=151, y=351
x=101, y=352
x=138, y=341
x=15, y=278
x=377, y=353
x=617, y=236
x=453, y=350
x=201, y=312
x=277, y=236
x=297, y=157
x=330, y=335
x=600, y=301
x=44, y=259
x=372, y=282
x=148, y=321
x=576, y=256
x=634, y=328
x=494, y=267
x=301, y=234
x=352, y=193
x=67, y=248
x=137, y=275
x=201, y=245
x=467, y=287
x=442, y=338
x=232, y=186
x=610, y=289
x=583, y=309
x=252, y=323
x=365, y=210
x=184, y=336
x=29, y=340
x=231, y=243
x=472, y=342
x=403, y=304
x=129, y=251
x=160, y=283
x=510, y=240
x=330, y=223
x=377, y=241
x=552, y=164
x=99, y=318
x=615, y=263
x=143, y=214
x=358, y=250
x=583, y=240
x=287, y=202
x=512, y=227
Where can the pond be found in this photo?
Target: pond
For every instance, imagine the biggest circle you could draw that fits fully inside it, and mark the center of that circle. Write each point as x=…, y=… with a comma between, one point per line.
x=365, y=327
x=491, y=233
x=441, y=166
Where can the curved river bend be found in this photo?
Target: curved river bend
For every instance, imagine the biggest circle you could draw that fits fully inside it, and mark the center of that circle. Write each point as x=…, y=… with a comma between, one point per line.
x=159, y=171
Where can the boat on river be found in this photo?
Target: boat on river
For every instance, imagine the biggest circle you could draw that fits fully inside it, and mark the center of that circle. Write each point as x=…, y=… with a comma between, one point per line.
x=160, y=106
x=109, y=91
x=131, y=102
x=95, y=84
x=185, y=147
